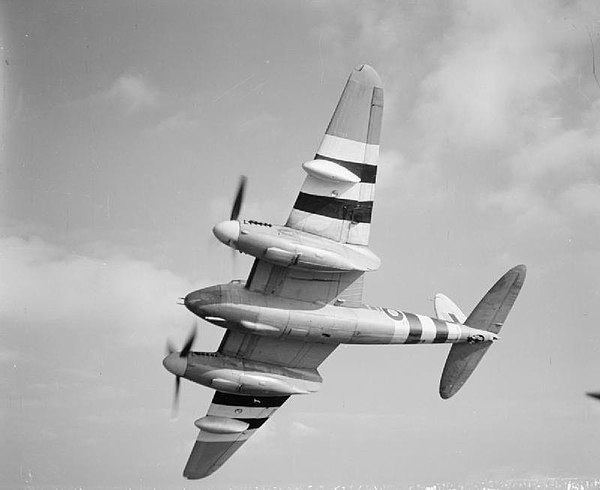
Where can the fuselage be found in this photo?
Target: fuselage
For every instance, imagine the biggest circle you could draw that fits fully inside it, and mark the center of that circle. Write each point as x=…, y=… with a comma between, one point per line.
x=234, y=307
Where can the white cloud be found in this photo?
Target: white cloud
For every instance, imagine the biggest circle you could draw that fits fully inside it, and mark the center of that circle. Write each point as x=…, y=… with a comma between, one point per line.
x=583, y=199
x=504, y=115
x=133, y=92
x=115, y=296
x=298, y=430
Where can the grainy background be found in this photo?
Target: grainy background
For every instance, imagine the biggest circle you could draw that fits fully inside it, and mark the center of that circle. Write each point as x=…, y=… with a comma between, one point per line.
x=125, y=126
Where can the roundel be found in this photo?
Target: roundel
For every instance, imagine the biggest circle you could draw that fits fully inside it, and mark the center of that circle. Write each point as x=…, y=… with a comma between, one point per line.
x=393, y=314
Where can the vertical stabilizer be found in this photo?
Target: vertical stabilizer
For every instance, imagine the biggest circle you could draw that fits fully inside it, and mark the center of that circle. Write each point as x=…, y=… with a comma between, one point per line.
x=489, y=315
x=445, y=309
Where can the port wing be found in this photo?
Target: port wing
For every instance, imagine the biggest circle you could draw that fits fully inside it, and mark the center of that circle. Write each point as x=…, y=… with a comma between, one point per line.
x=231, y=420
x=279, y=351
x=336, y=199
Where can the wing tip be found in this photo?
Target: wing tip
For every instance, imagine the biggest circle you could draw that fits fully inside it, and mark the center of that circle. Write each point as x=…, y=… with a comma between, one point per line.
x=521, y=269
x=366, y=75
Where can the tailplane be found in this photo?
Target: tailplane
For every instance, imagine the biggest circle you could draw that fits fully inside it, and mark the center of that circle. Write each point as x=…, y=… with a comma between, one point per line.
x=489, y=315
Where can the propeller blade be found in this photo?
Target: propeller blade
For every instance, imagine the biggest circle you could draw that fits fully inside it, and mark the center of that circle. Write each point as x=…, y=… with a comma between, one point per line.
x=175, y=406
x=170, y=347
x=188, y=343
x=239, y=197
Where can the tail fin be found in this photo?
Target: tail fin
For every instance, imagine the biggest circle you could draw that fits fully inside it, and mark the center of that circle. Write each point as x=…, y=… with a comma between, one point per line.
x=445, y=309
x=488, y=315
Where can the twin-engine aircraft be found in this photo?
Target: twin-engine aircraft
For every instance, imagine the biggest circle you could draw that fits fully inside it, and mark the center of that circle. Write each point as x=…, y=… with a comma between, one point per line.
x=303, y=296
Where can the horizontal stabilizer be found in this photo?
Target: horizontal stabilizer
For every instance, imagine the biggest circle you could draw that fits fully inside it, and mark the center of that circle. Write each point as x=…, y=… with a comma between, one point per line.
x=489, y=315
x=492, y=310
x=461, y=362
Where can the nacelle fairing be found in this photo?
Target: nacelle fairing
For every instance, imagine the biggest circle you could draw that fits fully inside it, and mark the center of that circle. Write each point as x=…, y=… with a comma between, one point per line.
x=233, y=375
x=288, y=247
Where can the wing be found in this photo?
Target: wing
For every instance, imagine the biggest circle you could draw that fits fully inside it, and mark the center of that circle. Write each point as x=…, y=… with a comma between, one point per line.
x=312, y=286
x=230, y=421
x=341, y=210
x=279, y=351
x=336, y=209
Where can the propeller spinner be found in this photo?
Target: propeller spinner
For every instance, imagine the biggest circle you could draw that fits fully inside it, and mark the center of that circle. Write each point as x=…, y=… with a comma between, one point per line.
x=228, y=232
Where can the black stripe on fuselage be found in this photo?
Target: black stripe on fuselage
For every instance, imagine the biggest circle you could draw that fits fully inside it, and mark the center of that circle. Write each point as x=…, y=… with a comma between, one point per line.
x=365, y=172
x=254, y=423
x=231, y=400
x=333, y=207
x=441, y=331
x=415, y=328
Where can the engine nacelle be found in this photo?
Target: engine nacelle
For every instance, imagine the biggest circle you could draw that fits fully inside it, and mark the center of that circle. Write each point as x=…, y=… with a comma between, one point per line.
x=288, y=247
x=231, y=375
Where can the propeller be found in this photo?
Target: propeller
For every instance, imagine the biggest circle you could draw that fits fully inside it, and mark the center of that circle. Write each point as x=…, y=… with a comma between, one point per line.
x=171, y=366
x=239, y=198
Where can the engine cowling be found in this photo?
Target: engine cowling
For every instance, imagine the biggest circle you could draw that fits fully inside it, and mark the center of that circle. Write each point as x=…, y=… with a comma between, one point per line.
x=293, y=248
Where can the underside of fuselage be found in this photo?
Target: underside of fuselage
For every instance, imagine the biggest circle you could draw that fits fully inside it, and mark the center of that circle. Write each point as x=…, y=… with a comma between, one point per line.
x=234, y=307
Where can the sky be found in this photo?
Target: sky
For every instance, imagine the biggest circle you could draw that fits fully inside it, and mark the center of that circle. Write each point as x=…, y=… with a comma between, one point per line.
x=125, y=126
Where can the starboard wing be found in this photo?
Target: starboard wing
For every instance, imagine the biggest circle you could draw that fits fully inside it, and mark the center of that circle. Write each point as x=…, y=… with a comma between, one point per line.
x=341, y=209
x=231, y=420
x=312, y=286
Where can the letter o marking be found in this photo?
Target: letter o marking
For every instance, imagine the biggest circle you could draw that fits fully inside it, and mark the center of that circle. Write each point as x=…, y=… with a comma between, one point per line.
x=393, y=314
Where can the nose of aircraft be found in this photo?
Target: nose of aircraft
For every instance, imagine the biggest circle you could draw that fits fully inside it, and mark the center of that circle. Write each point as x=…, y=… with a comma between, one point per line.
x=227, y=232
x=198, y=301
x=175, y=364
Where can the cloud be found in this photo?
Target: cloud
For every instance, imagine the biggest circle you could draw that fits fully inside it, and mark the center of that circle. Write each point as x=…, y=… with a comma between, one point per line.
x=298, y=430
x=113, y=296
x=583, y=199
x=505, y=113
x=494, y=71
x=83, y=337
x=133, y=92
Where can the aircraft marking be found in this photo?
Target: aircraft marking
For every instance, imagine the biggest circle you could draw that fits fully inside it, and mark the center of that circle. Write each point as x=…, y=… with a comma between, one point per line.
x=334, y=207
x=416, y=329
x=441, y=331
x=393, y=314
x=428, y=327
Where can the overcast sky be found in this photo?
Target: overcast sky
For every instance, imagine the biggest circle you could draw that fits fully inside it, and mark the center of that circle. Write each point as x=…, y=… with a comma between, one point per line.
x=125, y=126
